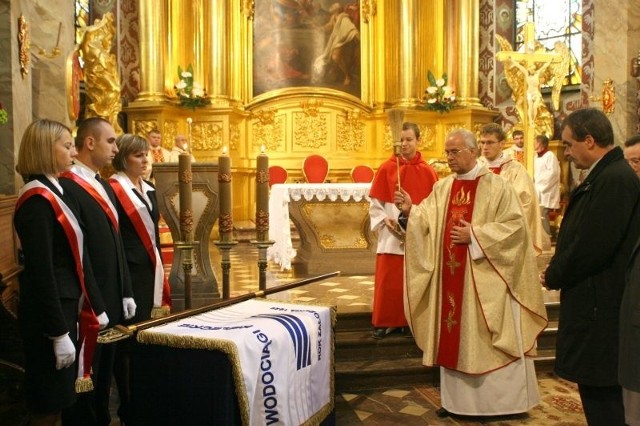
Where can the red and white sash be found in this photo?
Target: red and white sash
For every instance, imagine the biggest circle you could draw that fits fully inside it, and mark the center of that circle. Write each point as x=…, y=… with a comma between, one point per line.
x=88, y=323
x=95, y=189
x=144, y=226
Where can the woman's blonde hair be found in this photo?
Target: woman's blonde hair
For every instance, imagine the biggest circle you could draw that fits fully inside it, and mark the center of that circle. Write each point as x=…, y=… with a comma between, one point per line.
x=36, y=155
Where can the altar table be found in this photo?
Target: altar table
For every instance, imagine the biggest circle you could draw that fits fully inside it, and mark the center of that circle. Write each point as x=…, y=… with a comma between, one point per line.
x=253, y=363
x=333, y=222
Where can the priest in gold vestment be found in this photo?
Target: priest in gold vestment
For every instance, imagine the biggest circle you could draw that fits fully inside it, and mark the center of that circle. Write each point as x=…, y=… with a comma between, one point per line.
x=472, y=297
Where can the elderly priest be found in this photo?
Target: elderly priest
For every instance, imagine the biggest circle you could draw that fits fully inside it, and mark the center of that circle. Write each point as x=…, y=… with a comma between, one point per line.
x=472, y=296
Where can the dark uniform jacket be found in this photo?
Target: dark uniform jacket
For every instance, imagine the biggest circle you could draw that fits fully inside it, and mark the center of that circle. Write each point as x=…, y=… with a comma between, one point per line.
x=140, y=267
x=629, y=368
x=49, y=295
x=597, y=234
x=106, y=250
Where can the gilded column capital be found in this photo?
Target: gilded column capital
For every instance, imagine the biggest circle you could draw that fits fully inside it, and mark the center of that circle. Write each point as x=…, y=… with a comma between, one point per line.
x=248, y=8
x=369, y=10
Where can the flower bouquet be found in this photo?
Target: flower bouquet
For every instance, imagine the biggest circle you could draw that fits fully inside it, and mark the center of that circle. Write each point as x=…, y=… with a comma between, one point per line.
x=190, y=93
x=438, y=96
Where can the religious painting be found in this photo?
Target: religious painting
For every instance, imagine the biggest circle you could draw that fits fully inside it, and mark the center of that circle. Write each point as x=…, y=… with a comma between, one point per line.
x=306, y=43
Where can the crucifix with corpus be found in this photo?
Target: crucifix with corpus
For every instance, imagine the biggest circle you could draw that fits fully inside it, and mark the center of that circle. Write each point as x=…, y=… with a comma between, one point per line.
x=526, y=72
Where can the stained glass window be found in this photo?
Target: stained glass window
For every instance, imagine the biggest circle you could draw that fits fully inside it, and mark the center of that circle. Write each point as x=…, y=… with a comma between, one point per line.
x=555, y=20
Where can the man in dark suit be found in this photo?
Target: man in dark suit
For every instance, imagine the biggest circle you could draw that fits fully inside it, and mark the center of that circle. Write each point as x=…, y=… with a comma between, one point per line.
x=598, y=232
x=93, y=199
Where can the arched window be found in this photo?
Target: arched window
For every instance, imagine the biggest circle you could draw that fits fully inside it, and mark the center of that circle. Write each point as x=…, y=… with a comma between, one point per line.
x=555, y=20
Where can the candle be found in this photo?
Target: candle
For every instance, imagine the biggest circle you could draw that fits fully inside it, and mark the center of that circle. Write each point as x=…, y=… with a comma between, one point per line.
x=186, y=212
x=262, y=196
x=185, y=191
x=225, y=219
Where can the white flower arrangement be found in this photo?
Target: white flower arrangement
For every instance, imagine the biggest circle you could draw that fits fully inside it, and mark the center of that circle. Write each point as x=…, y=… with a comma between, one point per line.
x=191, y=93
x=438, y=96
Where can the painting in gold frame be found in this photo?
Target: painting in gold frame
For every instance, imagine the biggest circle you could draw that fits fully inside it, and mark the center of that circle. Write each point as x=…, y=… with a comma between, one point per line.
x=306, y=43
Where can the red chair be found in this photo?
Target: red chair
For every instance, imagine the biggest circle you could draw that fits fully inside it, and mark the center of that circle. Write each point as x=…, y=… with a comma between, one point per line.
x=362, y=174
x=315, y=168
x=277, y=174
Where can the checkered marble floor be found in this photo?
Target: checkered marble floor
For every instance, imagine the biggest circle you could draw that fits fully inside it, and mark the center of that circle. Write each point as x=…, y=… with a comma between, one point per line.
x=350, y=293
x=353, y=293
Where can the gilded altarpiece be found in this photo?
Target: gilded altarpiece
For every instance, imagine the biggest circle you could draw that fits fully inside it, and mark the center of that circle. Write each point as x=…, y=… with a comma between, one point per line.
x=346, y=124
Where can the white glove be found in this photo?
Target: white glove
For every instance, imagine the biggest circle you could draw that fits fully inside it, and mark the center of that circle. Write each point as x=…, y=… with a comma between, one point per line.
x=103, y=320
x=64, y=350
x=129, y=307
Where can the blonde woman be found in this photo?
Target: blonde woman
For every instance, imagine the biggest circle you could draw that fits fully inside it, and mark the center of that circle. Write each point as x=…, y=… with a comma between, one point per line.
x=55, y=280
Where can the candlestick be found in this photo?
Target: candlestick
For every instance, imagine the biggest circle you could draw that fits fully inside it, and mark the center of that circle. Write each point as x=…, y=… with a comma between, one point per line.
x=262, y=196
x=225, y=221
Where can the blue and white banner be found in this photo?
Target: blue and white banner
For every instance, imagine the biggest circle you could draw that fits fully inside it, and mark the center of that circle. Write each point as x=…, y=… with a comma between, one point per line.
x=281, y=351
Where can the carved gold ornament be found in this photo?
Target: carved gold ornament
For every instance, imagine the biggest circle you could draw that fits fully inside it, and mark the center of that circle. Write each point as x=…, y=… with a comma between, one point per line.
x=23, y=45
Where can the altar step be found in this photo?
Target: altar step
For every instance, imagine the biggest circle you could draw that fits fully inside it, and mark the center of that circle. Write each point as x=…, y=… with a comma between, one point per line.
x=362, y=362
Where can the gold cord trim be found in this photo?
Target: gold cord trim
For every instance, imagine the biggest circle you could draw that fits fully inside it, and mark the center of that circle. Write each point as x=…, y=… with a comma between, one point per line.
x=84, y=384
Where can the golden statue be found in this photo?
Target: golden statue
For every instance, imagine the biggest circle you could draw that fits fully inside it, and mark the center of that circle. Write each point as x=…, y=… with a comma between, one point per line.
x=101, y=78
x=608, y=96
x=23, y=45
x=527, y=72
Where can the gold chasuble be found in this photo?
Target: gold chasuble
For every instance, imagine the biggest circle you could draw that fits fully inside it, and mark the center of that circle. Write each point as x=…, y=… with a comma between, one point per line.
x=517, y=175
x=461, y=202
x=500, y=270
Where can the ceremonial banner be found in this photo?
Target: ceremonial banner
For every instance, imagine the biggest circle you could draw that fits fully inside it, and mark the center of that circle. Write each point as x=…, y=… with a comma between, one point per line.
x=281, y=355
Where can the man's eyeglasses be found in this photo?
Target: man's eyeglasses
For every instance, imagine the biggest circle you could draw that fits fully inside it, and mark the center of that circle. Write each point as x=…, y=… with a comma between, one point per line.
x=487, y=142
x=454, y=152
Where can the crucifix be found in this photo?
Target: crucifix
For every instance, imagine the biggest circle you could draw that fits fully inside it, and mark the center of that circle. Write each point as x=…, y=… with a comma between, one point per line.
x=526, y=72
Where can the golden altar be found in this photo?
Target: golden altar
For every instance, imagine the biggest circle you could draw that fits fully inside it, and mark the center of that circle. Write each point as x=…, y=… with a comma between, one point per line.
x=333, y=222
x=256, y=100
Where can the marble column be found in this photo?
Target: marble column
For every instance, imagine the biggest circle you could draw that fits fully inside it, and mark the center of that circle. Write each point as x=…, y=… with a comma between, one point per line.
x=616, y=43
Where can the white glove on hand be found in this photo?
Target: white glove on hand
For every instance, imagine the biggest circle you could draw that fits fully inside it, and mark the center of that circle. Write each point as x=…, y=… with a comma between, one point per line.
x=129, y=307
x=64, y=350
x=103, y=320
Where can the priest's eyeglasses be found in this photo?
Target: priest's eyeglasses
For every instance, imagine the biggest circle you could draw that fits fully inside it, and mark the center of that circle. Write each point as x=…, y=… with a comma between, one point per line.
x=454, y=152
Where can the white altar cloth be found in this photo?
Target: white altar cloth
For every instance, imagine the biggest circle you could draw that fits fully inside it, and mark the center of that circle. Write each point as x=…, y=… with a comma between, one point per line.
x=281, y=356
x=282, y=251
